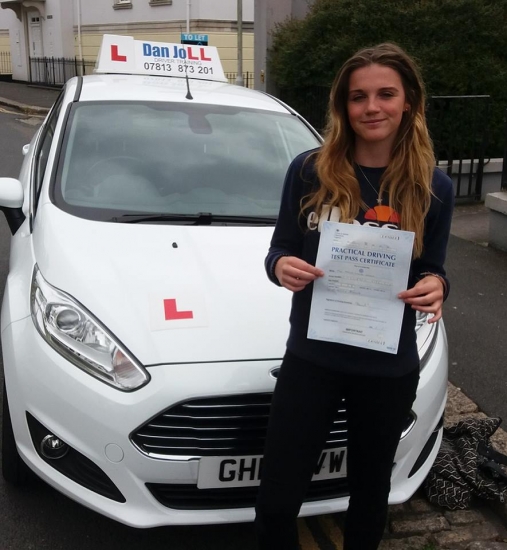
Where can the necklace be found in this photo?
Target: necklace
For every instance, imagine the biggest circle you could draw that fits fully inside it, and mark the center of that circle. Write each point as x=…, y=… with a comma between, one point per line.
x=379, y=198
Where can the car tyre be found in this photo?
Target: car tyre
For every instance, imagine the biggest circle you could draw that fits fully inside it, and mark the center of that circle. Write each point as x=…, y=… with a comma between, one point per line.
x=14, y=470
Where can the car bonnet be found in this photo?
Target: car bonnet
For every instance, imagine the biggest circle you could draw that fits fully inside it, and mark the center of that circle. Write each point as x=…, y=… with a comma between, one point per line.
x=169, y=293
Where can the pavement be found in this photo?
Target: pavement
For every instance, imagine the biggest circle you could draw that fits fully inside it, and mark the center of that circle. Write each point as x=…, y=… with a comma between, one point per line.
x=415, y=525
x=27, y=99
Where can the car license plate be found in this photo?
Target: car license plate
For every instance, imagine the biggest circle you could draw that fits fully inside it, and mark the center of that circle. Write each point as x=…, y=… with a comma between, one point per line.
x=244, y=471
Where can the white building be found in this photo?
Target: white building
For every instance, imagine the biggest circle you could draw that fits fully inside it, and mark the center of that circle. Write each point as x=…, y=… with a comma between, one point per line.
x=74, y=28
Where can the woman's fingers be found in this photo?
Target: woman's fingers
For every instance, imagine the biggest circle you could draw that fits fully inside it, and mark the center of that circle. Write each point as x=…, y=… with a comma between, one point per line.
x=426, y=296
x=294, y=273
x=425, y=291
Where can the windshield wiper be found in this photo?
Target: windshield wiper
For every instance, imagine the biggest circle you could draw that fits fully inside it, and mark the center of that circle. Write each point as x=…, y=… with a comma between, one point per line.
x=201, y=218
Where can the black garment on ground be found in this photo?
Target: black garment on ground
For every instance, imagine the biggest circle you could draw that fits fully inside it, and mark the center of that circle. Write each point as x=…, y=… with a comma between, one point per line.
x=467, y=465
x=298, y=235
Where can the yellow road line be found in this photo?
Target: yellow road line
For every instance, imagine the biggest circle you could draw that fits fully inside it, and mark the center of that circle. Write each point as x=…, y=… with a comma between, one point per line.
x=306, y=540
x=332, y=531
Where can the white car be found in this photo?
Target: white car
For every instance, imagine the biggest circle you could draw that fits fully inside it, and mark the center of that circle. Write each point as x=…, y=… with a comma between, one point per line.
x=141, y=337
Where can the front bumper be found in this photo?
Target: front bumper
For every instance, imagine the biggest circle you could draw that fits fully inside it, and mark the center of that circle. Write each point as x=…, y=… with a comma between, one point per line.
x=97, y=421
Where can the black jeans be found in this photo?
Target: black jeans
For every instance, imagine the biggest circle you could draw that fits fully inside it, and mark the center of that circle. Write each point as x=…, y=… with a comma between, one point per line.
x=305, y=402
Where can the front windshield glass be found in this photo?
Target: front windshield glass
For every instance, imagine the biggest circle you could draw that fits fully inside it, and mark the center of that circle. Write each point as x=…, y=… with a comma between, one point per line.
x=166, y=158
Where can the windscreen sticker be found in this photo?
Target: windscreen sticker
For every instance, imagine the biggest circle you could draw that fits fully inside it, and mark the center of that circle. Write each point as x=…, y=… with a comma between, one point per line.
x=177, y=309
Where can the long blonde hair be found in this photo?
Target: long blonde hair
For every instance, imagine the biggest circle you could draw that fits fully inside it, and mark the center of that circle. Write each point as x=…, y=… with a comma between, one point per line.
x=407, y=178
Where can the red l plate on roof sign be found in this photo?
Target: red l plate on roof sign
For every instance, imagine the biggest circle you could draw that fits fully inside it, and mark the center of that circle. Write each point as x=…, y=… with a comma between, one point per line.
x=115, y=56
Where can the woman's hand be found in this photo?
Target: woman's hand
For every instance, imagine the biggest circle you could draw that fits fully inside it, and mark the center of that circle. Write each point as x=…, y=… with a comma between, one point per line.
x=294, y=273
x=427, y=295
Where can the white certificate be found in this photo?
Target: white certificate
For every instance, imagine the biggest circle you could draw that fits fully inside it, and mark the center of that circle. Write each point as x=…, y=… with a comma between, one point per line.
x=356, y=302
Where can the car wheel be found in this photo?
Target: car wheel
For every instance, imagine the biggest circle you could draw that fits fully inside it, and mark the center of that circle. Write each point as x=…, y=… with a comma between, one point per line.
x=14, y=470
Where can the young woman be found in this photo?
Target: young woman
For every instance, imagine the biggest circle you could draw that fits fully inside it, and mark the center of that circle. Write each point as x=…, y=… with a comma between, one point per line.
x=375, y=167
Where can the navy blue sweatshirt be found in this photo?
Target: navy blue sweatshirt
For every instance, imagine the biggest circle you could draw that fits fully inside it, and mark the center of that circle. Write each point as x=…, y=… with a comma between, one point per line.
x=298, y=235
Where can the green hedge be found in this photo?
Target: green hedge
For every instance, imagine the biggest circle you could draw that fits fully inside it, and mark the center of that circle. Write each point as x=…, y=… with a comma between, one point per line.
x=461, y=46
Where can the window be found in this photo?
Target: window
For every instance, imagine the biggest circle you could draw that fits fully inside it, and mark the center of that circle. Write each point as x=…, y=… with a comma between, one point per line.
x=120, y=4
x=124, y=157
x=42, y=153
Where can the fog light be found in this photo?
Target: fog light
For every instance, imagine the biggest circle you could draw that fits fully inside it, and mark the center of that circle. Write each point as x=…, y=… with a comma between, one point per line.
x=72, y=464
x=52, y=447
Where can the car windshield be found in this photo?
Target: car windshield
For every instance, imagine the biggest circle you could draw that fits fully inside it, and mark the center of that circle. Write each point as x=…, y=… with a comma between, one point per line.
x=171, y=158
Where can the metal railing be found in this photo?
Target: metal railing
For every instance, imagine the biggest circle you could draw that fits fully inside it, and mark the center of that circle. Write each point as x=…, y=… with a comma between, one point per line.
x=55, y=71
x=5, y=63
x=504, y=164
x=248, y=79
x=459, y=127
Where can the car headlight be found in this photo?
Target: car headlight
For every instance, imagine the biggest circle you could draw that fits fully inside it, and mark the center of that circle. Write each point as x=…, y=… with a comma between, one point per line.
x=426, y=337
x=81, y=338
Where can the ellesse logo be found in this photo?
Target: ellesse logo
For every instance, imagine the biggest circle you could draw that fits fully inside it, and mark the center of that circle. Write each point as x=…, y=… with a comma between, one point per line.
x=382, y=214
x=379, y=216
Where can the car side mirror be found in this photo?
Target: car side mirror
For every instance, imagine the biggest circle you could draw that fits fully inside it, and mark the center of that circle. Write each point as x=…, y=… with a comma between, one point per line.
x=11, y=201
x=11, y=193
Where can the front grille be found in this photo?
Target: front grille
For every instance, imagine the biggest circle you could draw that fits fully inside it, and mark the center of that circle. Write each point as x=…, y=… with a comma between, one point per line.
x=231, y=425
x=189, y=497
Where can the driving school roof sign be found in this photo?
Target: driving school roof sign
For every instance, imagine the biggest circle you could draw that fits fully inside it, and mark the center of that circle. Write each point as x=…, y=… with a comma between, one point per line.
x=124, y=55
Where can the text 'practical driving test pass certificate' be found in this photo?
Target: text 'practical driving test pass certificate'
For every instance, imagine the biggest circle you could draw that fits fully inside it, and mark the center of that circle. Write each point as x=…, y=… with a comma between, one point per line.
x=356, y=301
